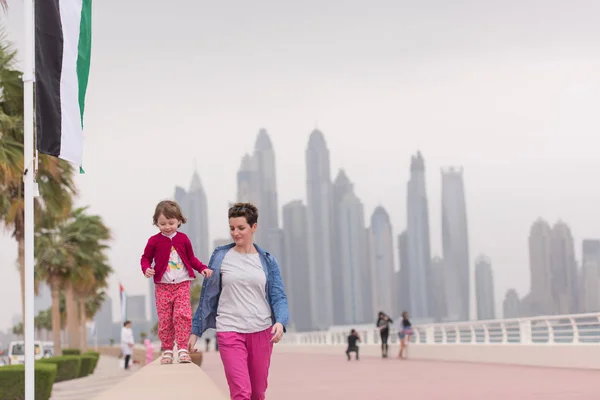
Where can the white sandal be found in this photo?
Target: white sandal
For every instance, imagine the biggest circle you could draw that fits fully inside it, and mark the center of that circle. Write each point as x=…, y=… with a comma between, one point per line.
x=167, y=357
x=184, y=356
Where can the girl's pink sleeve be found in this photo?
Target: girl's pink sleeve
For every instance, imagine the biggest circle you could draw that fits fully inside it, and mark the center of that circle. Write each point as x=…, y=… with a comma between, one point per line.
x=148, y=256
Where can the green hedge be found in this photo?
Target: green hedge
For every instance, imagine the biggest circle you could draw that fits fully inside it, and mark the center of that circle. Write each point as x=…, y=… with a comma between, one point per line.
x=12, y=381
x=97, y=357
x=71, y=352
x=67, y=367
x=87, y=365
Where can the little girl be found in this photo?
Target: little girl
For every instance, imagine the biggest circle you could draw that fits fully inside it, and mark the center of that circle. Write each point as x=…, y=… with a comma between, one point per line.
x=174, y=262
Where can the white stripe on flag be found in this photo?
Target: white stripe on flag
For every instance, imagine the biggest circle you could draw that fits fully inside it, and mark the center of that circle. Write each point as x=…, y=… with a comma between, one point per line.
x=71, y=145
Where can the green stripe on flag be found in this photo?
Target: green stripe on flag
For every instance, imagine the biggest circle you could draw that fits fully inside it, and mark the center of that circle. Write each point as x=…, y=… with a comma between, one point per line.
x=84, y=52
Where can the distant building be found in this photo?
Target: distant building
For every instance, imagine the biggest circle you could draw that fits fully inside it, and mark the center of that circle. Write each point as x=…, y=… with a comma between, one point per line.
x=418, y=241
x=319, y=208
x=382, y=264
x=590, y=270
x=511, y=305
x=484, y=289
x=294, y=271
x=438, y=287
x=455, y=241
x=195, y=207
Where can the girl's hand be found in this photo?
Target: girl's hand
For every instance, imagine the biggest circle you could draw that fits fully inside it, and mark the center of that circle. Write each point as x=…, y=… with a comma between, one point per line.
x=149, y=272
x=277, y=332
x=206, y=273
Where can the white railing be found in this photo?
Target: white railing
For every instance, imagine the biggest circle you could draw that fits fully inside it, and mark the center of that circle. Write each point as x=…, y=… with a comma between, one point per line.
x=547, y=330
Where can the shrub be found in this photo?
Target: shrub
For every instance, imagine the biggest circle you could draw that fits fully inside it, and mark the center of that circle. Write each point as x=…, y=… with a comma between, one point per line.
x=67, y=367
x=12, y=381
x=97, y=357
x=87, y=365
x=71, y=352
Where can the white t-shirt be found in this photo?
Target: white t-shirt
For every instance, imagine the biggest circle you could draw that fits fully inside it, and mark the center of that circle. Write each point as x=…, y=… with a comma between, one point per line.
x=243, y=305
x=176, y=272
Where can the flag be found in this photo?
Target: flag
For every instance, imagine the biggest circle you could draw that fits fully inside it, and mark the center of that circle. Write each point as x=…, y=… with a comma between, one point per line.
x=63, y=38
x=123, y=297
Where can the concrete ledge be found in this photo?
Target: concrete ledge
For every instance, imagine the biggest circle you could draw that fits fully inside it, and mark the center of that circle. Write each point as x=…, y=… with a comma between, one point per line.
x=159, y=382
x=139, y=354
x=557, y=356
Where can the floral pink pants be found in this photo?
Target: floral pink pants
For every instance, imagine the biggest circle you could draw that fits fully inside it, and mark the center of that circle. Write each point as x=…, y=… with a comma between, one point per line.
x=174, y=314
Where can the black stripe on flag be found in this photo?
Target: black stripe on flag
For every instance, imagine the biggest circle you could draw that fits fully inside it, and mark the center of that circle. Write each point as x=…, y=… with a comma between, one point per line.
x=48, y=67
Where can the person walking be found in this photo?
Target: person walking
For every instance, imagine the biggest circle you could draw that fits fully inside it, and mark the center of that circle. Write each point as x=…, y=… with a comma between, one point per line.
x=127, y=343
x=405, y=335
x=383, y=324
x=245, y=302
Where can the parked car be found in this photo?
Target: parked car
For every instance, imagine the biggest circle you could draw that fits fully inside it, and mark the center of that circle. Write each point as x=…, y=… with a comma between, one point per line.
x=16, y=352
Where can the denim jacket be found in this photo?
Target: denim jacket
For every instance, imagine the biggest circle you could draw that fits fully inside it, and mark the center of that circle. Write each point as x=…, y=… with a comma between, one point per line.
x=206, y=313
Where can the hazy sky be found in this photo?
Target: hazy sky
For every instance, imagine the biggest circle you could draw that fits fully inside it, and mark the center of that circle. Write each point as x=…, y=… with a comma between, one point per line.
x=510, y=90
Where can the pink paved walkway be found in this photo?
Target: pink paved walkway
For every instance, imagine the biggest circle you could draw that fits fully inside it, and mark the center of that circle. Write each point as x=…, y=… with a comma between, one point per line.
x=316, y=377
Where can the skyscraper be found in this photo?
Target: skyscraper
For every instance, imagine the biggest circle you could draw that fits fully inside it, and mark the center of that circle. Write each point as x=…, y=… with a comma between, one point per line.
x=484, y=288
x=247, y=181
x=403, y=275
x=590, y=266
x=341, y=187
x=565, y=280
x=257, y=184
x=455, y=241
x=511, y=305
x=319, y=203
x=439, y=283
x=104, y=322
x=294, y=271
x=195, y=208
x=382, y=263
x=353, y=271
x=418, y=247
x=539, y=301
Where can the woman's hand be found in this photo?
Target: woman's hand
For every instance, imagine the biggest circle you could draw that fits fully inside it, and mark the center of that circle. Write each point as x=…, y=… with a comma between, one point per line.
x=277, y=332
x=192, y=343
x=206, y=273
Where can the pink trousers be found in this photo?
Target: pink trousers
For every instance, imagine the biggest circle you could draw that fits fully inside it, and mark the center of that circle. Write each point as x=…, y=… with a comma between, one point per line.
x=174, y=314
x=246, y=359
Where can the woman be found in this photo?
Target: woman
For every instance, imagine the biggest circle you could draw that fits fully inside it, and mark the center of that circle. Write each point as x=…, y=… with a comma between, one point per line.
x=405, y=335
x=383, y=323
x=245, y=302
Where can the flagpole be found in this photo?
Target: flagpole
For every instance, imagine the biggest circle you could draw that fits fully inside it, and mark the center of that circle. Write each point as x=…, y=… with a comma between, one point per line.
x=28, y=172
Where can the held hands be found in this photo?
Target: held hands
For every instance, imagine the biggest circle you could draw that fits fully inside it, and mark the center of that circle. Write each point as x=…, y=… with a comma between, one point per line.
x=277, y=332
x=149, y=273
x=192, y=344
x=206, y=273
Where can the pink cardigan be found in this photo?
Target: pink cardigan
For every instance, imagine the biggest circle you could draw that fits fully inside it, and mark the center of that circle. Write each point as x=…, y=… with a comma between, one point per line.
x=158, y=250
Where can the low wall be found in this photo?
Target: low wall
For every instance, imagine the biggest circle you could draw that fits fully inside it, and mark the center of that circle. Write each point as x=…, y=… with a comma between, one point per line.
x=139, y=354
x=555, y=355
x=159, y=382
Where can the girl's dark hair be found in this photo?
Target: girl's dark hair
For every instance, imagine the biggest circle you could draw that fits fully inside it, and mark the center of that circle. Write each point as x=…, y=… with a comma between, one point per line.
x=246, y=210
x=126, y=323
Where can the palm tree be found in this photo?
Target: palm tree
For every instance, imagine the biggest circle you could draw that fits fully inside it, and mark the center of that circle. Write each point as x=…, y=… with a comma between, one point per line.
x=18, y=329
x=88, y=234
x=54, y=176
x=54, y=261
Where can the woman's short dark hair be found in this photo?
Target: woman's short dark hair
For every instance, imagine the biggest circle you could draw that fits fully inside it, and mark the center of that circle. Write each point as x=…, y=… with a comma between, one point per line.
x=246, y=210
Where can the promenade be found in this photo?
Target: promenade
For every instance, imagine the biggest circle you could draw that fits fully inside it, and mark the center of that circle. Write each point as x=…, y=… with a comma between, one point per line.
x=107, y=375
x=298, y=376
